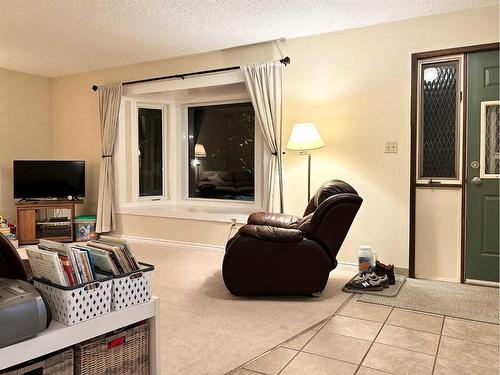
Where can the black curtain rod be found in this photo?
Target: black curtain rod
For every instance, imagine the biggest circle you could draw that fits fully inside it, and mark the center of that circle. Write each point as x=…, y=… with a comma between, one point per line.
x=284, y=60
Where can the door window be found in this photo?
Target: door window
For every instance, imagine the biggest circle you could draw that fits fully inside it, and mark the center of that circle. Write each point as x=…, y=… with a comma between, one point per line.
x=439, y=120
x=490, y=139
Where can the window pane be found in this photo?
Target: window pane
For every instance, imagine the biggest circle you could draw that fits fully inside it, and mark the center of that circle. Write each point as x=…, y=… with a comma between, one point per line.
x=221, y=151
x=150, y=152
x=492, y=141
x=439, y=120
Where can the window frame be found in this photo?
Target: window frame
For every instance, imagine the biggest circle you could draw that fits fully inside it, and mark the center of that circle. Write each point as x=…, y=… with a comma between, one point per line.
x=422, y=180
x=135, y=144
x=126, y=160
x=184, y=106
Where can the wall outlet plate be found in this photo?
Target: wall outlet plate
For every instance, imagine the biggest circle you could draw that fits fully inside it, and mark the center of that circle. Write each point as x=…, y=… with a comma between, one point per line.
x=391, y=147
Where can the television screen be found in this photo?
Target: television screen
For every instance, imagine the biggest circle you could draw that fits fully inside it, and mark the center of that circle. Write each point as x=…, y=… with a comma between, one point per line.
x=49, y=178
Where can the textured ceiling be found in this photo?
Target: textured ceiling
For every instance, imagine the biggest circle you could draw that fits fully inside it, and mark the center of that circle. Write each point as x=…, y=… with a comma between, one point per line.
x=59, y=37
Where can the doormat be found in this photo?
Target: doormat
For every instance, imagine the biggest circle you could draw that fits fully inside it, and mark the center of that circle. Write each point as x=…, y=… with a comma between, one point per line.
x=463, y=301
x=392, y=291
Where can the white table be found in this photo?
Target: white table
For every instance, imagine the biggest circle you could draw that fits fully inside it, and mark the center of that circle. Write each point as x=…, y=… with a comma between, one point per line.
x=59, y=336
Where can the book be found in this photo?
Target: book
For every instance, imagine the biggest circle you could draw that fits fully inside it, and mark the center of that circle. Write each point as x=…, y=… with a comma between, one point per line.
x=102, y=260
x=85, y=266
x=87, y=260
x=46, y=265
x=68, y=269
x=79, y=266
x=76, y=272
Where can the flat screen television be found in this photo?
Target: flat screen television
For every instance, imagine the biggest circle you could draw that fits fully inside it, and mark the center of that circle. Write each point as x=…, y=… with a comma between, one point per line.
x=49, y=179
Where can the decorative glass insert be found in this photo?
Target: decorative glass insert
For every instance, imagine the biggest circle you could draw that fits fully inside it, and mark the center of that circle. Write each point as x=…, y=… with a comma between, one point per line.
x=439, y=104
x=150, y=136
x=492, y=140
x=222, y=151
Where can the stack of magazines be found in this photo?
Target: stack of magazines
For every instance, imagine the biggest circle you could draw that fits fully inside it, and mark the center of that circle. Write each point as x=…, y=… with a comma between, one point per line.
x=112, y=255
x=75, y=264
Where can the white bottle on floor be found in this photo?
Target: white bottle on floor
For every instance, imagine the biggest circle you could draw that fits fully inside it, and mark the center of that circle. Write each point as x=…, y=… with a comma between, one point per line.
x=366, y=259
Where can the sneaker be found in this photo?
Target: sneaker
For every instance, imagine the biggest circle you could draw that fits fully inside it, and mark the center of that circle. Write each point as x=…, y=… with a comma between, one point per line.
x=369, y=281
x=382, y=269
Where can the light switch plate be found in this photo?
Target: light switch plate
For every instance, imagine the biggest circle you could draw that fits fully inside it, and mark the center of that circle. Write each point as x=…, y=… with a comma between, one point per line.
x=391, y=147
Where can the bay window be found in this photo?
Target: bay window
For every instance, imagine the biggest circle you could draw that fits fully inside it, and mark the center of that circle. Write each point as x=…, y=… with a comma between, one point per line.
x=190, y=153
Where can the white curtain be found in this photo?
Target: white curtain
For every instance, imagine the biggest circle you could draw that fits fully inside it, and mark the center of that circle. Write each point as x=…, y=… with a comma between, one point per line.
x=109, y=107
x=264, y=83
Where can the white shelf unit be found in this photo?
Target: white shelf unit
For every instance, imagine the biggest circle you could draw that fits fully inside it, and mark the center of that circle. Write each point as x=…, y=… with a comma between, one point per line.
x=59, y=336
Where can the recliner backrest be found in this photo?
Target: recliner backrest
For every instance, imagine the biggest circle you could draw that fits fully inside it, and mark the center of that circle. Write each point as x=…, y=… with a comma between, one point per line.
x=327, y=190
x=335, y=206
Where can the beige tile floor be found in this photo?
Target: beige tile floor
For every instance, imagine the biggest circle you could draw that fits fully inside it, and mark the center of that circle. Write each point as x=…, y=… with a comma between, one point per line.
x=367, y=339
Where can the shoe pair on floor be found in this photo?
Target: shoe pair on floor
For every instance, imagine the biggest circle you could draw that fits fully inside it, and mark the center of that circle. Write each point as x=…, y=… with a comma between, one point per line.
x=381, y=278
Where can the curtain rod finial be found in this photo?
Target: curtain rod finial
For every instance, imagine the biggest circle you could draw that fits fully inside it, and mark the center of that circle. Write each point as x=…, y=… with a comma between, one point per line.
x=94, y=87
x=285, y=60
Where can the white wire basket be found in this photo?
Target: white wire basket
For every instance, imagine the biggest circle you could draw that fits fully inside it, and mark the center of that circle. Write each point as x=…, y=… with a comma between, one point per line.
x=76, y=304
x=132, y=288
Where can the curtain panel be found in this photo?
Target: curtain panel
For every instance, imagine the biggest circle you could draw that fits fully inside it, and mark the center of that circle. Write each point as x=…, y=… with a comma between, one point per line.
x=264, y=84
x=109, y=107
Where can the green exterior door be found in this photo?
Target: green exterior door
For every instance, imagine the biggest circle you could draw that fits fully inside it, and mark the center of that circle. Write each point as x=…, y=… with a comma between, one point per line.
x=483, y=167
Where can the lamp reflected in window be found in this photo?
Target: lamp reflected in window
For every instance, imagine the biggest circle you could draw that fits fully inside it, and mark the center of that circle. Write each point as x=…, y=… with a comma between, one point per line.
x=199, y=153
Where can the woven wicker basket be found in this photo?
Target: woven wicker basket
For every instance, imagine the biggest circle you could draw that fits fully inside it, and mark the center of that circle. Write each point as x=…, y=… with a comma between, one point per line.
x=124, y=353
x=57, y=364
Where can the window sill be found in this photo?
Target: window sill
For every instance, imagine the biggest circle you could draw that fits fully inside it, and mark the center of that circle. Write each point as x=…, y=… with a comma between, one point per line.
x=178, y=211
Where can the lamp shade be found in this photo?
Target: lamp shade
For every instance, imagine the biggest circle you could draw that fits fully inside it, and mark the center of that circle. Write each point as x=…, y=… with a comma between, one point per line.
x=199, y=151
x=304, y=136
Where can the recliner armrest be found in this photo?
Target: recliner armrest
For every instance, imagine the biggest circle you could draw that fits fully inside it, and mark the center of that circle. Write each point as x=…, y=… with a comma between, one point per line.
x=273, y=220
x=272, y=234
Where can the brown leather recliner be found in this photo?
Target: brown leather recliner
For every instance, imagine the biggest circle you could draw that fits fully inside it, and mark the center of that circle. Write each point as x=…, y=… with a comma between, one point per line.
x=279, y=254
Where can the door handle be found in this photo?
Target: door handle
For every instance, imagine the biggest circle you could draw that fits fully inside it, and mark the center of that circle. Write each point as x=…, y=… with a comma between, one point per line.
x=476, y=181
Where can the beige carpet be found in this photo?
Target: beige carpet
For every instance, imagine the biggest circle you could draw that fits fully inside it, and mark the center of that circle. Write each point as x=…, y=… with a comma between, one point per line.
x=205, y=330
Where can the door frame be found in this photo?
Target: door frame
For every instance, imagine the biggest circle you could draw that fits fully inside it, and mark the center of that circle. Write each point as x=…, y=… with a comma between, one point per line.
x=415, y=57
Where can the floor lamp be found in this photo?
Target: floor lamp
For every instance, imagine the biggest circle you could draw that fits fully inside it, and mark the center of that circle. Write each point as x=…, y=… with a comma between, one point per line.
x=304, y=138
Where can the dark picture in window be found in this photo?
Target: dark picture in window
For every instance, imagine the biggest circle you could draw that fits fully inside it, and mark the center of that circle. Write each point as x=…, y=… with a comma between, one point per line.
x=150, y=134
x=222, y=151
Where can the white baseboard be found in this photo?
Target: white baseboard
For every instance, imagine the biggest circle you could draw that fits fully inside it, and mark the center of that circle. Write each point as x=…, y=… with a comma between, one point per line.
x=482, y=283
x=434, y=278
x=172, y=243
x=344, y=266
